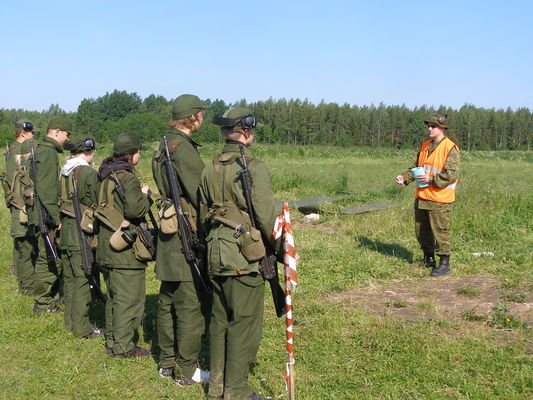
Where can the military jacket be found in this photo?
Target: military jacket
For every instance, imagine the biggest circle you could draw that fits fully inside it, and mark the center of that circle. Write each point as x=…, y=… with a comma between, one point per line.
x=134, y=207
x=449, y=174
x=224, y=256
x=47, y=182
x=87, y=184
x=170, y=261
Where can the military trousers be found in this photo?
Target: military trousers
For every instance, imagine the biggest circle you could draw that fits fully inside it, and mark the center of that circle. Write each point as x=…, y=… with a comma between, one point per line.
x=76, y=293
x=235, y=329
x=180, y=327
x=25, y=255
x=46, y=277
x=432, y=228
x=124, y=309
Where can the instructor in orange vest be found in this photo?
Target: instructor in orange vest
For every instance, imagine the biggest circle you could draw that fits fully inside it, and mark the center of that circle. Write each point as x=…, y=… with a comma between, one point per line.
x=435, y=193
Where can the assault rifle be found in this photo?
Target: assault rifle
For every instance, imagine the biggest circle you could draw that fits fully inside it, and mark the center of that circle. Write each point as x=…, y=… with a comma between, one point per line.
x=189, y=239
x=267, y=265
x=146, y=234
x=87, y=257
x=41, y=211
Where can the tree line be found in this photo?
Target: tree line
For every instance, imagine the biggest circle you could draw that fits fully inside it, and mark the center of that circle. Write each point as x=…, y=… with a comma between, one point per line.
x=294, y=121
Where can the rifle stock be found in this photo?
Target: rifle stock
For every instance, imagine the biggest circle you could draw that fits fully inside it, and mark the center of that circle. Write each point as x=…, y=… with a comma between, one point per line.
x=267, y=265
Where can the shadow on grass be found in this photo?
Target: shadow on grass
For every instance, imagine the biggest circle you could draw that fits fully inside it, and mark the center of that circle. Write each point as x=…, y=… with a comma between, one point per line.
x=388, y=249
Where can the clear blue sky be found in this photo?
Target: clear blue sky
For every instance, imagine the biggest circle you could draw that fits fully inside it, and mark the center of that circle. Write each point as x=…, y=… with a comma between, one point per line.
x=355, y=52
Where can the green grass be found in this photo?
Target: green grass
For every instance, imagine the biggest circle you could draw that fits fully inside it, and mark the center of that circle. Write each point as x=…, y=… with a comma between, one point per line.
x=342, y=351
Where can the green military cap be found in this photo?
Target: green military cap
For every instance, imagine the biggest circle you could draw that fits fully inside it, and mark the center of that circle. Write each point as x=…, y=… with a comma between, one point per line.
x=79, y=143
x=62, y=123
x=186, y=105
x=437, y=119
x=127, y=143
x=23, y=125
x=236, y=116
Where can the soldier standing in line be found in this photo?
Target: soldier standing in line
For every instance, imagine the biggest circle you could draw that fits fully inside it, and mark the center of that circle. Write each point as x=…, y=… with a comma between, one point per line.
x=439, y=157
x=238, y=286
x=122, y=206
x=24, y=244
x=76, y=288
x=48, y=271
x=181, y=319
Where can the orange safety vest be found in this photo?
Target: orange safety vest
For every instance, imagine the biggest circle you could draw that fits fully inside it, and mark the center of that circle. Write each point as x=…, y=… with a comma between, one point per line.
x=434, y=164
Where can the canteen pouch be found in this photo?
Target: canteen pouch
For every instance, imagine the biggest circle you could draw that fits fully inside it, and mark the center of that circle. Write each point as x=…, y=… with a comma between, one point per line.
x=87, y=221
x=122, y=238
x=168, y=219
x=251, y=245
x=140, y=250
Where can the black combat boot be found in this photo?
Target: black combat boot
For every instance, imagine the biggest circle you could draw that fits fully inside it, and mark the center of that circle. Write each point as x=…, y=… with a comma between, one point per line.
x=444, y=267
x=429, y=260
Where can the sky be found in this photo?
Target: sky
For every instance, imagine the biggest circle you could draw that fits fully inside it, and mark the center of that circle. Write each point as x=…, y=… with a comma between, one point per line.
x=414, y=53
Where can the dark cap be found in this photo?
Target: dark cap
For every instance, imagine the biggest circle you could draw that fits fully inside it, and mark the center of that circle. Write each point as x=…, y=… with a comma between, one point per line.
x=23, y=125
x=437, y=119
x=127, y=143
x=62, y=123
x=80, y=143
x=186, y=105
x=237, y=116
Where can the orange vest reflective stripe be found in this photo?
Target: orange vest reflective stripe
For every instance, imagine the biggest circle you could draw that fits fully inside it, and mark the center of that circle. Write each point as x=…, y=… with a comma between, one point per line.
x=434, y=164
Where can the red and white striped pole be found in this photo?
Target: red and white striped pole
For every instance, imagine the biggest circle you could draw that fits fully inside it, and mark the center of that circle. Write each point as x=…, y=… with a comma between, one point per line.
x=283, y=228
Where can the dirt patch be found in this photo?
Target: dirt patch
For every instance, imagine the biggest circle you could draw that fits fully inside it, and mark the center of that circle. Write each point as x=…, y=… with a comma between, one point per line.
x=470, y=296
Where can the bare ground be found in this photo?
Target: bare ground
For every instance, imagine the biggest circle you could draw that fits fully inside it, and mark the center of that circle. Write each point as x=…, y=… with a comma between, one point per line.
x=448, y=297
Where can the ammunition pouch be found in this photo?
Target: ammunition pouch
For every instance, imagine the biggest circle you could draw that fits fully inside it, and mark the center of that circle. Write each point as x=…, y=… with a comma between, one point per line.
x=23, y=216
x=169, y=219
x=66, y=208
x=87, y=220
x=141, y=249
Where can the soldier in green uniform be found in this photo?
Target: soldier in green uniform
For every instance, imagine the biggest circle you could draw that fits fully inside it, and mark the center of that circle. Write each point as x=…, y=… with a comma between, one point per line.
x=181, y=322
x=47, y=272
x=24, y=244
x=435, y=194
x=238, y=286
x=76, y=289
x=123, y=204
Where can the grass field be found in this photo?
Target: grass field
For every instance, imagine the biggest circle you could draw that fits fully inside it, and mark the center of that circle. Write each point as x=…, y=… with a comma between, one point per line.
x=369, y=322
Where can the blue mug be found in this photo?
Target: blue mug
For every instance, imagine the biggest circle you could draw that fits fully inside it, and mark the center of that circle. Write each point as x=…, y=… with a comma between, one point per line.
x=416, y=172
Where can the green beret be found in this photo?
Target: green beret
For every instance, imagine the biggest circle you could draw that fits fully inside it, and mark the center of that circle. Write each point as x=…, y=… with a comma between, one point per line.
x=186, y=105
x=127, y=143
x=437, y=119
x=62, y=123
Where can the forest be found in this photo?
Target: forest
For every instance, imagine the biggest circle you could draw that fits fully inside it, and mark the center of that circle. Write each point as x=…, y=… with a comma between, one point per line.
x=294, y=121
